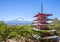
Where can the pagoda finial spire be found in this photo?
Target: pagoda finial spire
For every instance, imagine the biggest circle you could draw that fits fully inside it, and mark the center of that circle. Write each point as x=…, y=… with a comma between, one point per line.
x=41, y=7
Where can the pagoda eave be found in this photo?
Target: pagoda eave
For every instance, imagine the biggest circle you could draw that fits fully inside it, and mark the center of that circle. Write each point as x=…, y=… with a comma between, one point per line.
x=44, y=24
x=42, y=14
x=44, y=19
x=50, y=37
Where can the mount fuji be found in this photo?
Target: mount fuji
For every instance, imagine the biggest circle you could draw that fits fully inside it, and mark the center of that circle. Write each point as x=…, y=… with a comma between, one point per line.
x=18, y=21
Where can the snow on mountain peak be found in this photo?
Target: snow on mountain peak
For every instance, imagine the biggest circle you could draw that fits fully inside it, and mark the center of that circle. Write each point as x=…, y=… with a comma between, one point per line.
x=20, y=19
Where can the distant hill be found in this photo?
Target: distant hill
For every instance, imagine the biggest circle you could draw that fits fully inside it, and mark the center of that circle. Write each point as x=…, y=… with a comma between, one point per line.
x=18, y=22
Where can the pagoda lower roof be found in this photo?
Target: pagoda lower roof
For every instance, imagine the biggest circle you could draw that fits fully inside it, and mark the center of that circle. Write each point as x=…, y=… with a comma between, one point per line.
x=50, y=37
x=42, y=14
x=44, y=24
x=43, y=30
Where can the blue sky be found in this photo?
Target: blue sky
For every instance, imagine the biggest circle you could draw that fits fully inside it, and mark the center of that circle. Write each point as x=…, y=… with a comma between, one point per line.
x=26, y=9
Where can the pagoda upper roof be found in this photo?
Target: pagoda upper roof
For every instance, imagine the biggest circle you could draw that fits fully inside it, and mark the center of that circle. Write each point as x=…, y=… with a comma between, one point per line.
x=42, y=14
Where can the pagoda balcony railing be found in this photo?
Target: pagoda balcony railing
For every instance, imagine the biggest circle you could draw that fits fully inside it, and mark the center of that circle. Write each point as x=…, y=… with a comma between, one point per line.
x=35, y=22
x=41, y=23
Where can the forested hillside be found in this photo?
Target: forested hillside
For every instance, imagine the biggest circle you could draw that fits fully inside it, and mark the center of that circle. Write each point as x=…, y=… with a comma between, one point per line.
x=56, y=23
x=16, y=32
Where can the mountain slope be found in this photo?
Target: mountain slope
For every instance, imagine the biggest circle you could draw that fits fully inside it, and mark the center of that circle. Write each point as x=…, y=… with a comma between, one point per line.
x=17, y=22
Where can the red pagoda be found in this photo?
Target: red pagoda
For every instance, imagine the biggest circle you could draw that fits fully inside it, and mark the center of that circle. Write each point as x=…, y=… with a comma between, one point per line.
x=41, y=24
x=41, y=21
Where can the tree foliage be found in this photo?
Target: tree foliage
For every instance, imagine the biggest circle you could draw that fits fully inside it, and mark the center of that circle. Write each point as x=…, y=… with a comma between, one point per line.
x=56, y=23
x=16, y=31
